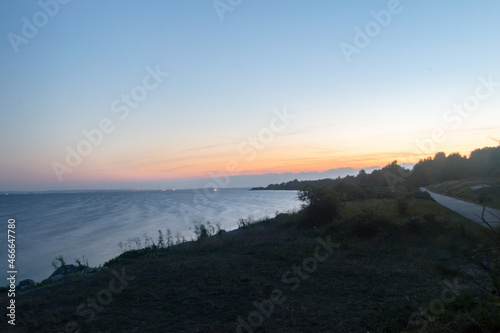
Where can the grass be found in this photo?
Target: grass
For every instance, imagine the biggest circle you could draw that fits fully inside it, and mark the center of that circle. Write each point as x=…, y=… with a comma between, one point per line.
x=372, y=281
x=463, y=189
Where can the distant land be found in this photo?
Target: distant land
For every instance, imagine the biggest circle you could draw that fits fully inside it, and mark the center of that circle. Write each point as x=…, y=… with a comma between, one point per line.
x=218, y=180
x=268, y=178
x=238, y=181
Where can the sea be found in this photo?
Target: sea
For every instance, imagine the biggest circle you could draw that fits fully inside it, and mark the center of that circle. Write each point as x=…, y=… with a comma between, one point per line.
x=96, y=226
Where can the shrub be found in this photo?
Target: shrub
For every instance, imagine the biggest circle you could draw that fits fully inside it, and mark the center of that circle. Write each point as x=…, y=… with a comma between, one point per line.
x=414, y=225
x=82, y=264
x=364, y=229
x=161, y=242
x=243, y=223
x=203, y=232
x=429, y=218
x=322, y=205
x=349, y=192
x=62, y=264
x=421, y=195
x=402, y=205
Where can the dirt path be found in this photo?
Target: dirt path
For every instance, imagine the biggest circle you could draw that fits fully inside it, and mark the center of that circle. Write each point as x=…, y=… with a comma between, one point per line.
x=469, y=210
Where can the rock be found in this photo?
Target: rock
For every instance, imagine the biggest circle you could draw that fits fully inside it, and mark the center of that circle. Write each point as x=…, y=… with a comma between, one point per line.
x=64, y=270
x=25, y=283
x=60, y=277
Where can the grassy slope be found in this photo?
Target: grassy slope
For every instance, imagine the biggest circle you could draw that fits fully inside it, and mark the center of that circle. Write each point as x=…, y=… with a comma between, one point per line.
x=366, y=285
x=462, y=189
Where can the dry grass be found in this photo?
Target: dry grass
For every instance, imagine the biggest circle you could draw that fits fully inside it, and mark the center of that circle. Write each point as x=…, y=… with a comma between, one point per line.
x=365, y=285
x=464, y=189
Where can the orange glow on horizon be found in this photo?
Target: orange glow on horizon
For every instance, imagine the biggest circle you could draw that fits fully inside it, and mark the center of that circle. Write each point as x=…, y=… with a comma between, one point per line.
x=288, y=159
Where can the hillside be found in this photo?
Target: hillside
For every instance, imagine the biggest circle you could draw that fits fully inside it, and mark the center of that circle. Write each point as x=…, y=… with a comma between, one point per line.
x=370, y=268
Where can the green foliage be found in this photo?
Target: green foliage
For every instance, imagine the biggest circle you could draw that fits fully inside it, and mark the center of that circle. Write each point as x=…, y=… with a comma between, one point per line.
x=364, y=229
x=322, y=205
x=402, y=205
x=203, y=232
x=350, y=192
x=244, y=223
x=483, y=162
x=170, y=241
x=366, y=224
x=421, y=195
x=161, y=243
x=353, y=187
x=429, y=218
x=82, y=264
x=59, y=262
x=414, y=225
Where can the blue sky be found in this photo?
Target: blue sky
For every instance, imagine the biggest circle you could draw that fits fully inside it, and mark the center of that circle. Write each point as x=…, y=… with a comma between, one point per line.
x=226, y=78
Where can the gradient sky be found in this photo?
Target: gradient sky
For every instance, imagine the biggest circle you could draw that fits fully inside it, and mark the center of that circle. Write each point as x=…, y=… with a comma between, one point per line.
x=228, y=78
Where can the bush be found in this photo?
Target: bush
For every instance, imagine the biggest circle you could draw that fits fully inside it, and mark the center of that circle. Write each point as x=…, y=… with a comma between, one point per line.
x=414, y=225
x=243, y=223
x=204, y=232
x=421, y=195
x=364, y=229
x=349, y=192
x=402, y=205
x=322, y=205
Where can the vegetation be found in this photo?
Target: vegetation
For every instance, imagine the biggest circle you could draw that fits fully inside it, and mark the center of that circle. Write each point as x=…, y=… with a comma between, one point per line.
x=59, y=263
x=483, y=163
x=478, y=190
x=203, y=232
x=366, y=253
x=388, y=258
x=322, y=205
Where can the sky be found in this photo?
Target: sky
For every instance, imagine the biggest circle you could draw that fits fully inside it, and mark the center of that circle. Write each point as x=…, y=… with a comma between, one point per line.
x=125, y=93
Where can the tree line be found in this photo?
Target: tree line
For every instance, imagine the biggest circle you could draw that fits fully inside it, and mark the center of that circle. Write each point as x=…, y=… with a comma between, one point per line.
x=481, y=163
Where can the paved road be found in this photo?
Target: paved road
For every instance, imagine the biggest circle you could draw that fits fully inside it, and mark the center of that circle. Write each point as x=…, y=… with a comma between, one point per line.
x=469, y=210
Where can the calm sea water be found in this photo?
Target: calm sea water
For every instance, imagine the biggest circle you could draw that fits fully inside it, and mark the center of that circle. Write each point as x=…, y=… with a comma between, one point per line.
x=92, y=224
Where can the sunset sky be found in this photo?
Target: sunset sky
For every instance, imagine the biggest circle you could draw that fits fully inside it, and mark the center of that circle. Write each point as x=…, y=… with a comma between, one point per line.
x=134, y=93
